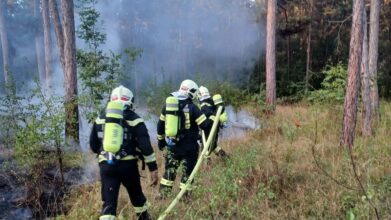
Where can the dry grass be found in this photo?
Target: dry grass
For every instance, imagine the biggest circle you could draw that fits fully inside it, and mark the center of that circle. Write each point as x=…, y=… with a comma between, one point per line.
x=271, y=174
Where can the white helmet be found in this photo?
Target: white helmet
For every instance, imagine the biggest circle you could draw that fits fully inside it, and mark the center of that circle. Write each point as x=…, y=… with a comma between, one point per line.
x=204, y=93
x=189, y=87
x=123, y=95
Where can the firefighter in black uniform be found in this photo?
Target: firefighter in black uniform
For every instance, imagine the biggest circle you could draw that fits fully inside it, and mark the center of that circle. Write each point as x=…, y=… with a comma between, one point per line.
x=125, y=169
x=209, y=108
x=184, y=148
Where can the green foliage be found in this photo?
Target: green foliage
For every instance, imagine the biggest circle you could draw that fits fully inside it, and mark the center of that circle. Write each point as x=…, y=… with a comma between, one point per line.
x=36, y=136
x=232, y=94
x=41, y=132
x=155, y=95
x=10, y=115
x=99, y=71
x=333, y=85
x=35, y=125
x=230, y=180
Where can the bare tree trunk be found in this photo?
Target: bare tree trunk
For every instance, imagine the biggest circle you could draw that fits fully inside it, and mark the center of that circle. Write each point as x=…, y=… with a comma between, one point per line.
x=365, y=87
x=39, y=50
x=4, y=45
x=308, y=63
x=271, y=53
x=70, y=74
x=58, y=29
x=355, y=54
x=373, y=56
x=48, y=44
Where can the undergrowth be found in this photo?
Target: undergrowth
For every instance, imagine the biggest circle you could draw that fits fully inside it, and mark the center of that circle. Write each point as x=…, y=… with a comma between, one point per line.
x=278, y=172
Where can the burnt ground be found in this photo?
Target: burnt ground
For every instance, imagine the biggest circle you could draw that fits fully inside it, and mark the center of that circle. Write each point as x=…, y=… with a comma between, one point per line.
x=22, y=199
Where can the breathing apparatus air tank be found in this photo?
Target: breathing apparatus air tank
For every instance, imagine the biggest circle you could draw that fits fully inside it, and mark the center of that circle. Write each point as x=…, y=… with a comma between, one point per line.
x=218, y=101
x=172, y=119
x=113, y=130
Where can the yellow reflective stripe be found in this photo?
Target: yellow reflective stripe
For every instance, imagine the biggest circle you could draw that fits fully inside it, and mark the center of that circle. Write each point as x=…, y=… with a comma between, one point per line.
x=114, y=111
x=129, y=157
x=172, y=105
x=205, y=103
x=134, y=122
x=218, y=101
x=200, y=119
x=99, y=121
x=103, y=158
x=150, y=158
x=166, y=182
x=142, y=208
x=160, y=137
x=182, y=185
x=187, y=121
x=212, y=117
x=162, y=117
x=107, y=217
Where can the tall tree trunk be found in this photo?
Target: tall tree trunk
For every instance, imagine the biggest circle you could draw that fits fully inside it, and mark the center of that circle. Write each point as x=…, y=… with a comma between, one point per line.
x=4, y=45
x=48, y=44
x=271, y=53
x=365, y=87
x=39, y=50
x=308, y=62
x=58, y=29
x=373, y=56
x=355, y=54
x=70, y=75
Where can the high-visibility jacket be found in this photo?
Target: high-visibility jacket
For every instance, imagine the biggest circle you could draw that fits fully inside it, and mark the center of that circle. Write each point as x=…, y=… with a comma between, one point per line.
x=136, y=138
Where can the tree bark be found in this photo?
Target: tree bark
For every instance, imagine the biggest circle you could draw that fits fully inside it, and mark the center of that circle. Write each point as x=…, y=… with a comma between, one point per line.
x=48, y=44
x=365, y=86
x=271, y=53
x=58, y=29
x=39, y=50
x=4, y=45
x=373, y=56
x=308, y=63
x=70, y=74
x=355, y=54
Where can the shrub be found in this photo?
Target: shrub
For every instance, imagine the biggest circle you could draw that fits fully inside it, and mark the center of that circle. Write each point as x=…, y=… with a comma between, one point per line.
x=333, y=85
x=36, y=133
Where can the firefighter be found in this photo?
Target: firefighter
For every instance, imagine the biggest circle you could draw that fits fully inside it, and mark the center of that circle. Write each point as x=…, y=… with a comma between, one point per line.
x=178, y=130
x=209, y=107
x=117, y=137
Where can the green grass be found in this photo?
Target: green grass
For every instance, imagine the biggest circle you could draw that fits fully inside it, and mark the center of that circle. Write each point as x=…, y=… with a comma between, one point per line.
x=271, y=174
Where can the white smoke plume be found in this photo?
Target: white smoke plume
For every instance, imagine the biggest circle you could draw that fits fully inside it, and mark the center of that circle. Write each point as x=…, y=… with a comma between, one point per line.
x=216, y=40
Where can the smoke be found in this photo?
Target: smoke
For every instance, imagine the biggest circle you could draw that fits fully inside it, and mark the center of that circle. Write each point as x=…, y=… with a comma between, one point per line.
x=216, y=40
x=240, y=123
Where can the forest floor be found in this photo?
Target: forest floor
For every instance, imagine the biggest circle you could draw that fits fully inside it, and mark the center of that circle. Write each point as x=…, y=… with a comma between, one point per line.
x=292, y=168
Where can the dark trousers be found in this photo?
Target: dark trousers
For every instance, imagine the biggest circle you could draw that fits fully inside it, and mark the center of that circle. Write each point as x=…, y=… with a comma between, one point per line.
x=125, y=172
x=172, y=162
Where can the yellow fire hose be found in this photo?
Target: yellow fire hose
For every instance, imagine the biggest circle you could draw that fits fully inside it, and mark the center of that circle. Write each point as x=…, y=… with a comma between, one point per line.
x=197, y=166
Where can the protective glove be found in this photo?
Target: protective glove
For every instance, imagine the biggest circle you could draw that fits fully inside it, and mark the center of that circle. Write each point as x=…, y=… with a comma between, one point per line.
x=161, y=144
x=154, y=178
